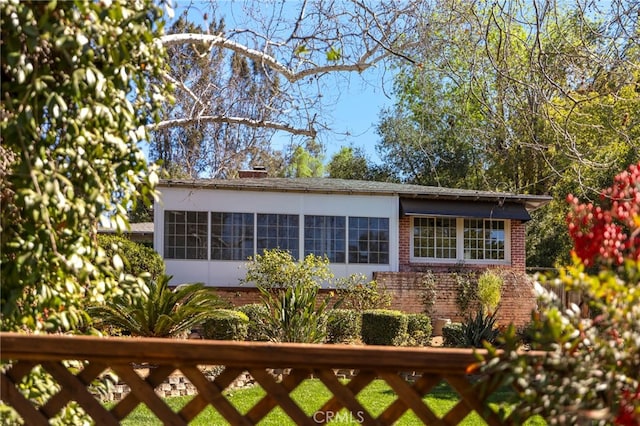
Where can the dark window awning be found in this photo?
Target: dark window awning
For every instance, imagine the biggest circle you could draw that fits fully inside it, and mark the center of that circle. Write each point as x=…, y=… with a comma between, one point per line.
x=463, y=208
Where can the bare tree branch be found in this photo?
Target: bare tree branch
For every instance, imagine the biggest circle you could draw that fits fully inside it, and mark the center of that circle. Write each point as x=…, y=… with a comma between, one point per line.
x=182, y=122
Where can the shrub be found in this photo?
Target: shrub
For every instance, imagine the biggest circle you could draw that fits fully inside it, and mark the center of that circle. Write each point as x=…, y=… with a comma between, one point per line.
x=227, y=324
x=256, y=328
x=343, y=325
x=360, y=294
x=591, y=364
x=452, y=335
x=278, y=269
x=418, y=330
x=137, y=259
x=383, y=327
x=293, y=314
x=289, y=291
x=158, y=311
x=489, y=290
x=478, y=330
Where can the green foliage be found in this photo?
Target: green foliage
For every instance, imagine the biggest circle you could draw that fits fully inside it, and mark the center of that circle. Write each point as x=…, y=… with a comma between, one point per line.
x=158, y=311
x=306, y=162
x=589, y=372
x=227, y=324
x=452, y=335
x=466, y=292
x=256, y=329
x=384, y=327
x=78, y=91
x=136, y=258
x=278, y=269
x=489, y=290
x=343, y=325
x=357, y=293
x=479, y=330
x=418, y=330
x=295, y=314
x=428, y=292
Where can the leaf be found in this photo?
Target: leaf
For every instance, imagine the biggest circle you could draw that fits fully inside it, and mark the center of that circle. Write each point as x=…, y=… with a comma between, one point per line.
x=334, y=54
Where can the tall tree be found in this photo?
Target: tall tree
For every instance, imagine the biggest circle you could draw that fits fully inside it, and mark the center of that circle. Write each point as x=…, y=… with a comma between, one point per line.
x=533, y=97
x=212, y=81
x=352, y=163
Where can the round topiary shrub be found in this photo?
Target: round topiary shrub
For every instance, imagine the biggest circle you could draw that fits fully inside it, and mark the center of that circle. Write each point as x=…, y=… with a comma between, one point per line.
x=452, y=335
x=228, y=324
x=137, y=258
x=256, y=312
x=343, y=325
x=418, y=330
x=383, y=327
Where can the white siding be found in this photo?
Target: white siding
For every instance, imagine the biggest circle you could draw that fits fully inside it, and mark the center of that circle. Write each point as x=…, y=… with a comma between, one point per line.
x=227, y=273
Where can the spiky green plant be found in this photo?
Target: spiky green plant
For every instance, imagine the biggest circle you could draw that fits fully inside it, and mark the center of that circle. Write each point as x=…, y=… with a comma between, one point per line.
x=159, y=311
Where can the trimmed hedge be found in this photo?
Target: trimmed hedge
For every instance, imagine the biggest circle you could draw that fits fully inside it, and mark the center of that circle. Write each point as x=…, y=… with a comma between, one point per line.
x=383, y=327
x=256, y=312
x=228, y=324
x=343, y=325
x=452, y=335
x=137, y=258
x=418, y=330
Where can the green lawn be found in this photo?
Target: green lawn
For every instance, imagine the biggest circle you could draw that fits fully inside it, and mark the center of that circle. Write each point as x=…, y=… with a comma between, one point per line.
x=310, y=396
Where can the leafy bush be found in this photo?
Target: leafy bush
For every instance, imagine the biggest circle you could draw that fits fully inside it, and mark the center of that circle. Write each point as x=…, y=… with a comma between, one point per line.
x=478, y=330
x=343, y=325
x=289, y=291
x=589, y=374
x=418, y=330
x=159, y=311
x=227, y=324
x=489, y=290
x=452, y=335
x=294, y=315
x=137, y=259
x=360, y=294
x=278, y=269
x=384, y=327
x=256, y=329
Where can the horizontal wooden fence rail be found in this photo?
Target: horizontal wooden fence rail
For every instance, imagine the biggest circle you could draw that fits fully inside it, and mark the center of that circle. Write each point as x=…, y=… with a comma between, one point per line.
x=302, y=361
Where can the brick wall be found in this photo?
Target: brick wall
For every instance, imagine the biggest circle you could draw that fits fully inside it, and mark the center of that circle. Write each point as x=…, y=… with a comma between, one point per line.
x=517, y=302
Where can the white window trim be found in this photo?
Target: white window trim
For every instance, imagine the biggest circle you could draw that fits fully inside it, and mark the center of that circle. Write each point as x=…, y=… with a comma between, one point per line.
x=460, y=246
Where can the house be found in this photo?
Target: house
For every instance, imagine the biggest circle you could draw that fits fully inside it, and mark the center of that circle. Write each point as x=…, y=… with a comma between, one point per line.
x=207, y=229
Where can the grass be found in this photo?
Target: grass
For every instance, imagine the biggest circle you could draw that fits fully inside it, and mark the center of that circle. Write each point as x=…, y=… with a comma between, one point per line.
x=311, y=395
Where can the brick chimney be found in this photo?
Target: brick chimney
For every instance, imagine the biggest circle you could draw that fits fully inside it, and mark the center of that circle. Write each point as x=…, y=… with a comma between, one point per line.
x=256, y=173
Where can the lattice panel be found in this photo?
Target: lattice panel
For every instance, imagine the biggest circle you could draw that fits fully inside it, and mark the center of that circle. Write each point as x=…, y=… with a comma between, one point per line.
x=98, y=356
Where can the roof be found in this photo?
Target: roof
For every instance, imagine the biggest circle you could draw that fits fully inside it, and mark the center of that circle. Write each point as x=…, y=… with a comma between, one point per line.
x=358, y=187
x=136, y=228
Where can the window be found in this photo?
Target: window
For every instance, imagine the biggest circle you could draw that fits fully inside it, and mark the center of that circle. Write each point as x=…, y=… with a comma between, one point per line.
x=185, y=235
x=434, y=237
x=325, y=235
x=369, y=240
x=278, y=231
x=484, y=239
x=231, y=236
x=458, y=239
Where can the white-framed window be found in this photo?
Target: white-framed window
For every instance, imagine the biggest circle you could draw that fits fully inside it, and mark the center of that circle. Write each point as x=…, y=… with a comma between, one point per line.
x=449, y=240
x=185, y=235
